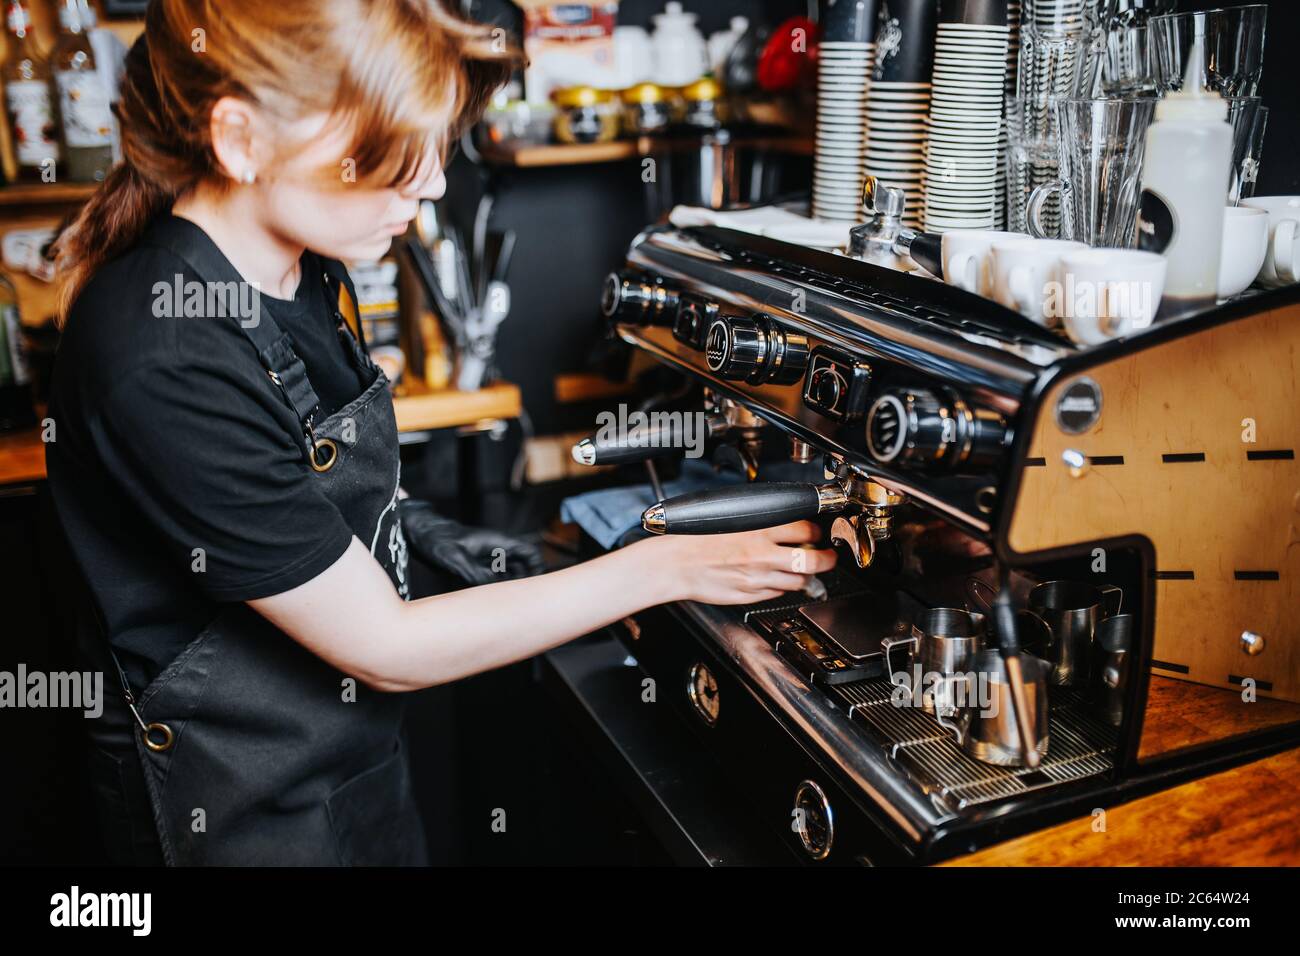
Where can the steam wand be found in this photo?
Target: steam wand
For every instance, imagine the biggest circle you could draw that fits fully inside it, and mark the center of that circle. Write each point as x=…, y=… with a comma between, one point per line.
x=1004, y=621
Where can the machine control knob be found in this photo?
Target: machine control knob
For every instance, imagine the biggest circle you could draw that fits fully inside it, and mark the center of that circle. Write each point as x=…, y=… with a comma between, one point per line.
x=932, y=431
x=827, y=387
x=909, y=426
x=737, y=349
x=691, y=327
x=755, y=350
x=637, y=300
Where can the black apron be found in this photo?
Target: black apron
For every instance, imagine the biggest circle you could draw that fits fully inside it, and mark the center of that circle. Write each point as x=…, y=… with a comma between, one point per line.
x=254, y=750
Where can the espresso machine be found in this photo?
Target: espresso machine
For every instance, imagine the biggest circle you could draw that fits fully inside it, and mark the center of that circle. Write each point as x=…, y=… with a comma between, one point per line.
x=1050, y=555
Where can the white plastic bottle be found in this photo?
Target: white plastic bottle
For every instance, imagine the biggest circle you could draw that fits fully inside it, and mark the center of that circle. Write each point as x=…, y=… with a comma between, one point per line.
x=1184, y=188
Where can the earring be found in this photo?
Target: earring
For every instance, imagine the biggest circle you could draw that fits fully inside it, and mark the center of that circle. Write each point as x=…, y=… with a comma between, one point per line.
x=248, y=178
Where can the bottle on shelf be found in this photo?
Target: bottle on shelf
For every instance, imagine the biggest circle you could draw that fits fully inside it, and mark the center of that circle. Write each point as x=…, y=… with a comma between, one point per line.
x=84, y=113
x=26, y=77
x=16, y=409
x=1185, y=179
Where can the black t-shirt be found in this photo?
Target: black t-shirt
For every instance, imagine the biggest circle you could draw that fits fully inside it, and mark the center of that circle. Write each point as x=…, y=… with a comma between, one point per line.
x=177, y=468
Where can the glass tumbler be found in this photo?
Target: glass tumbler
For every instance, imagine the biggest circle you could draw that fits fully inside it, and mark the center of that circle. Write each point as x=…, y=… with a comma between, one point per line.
x=1234, y=48
x=1101, y=145
x=1128, y=63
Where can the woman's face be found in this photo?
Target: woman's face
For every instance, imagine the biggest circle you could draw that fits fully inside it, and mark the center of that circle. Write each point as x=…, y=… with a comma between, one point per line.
x=343, y=219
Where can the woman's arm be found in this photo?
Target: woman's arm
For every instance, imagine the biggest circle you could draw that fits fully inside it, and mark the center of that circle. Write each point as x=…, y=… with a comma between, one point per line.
x=350, y=616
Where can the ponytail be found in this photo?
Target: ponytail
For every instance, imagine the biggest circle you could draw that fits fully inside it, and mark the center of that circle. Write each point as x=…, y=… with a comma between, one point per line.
x=120, y=210
x=110, y=223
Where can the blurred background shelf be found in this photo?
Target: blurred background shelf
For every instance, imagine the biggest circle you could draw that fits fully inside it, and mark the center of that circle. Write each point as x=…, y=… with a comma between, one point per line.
x=536, y=156
x=44, y=194
x=419, y=408
x=532, y=155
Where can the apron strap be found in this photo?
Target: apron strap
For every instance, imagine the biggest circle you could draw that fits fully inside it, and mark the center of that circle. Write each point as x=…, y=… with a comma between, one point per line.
x=289, y=373
x=274, y=348
x=342, y=294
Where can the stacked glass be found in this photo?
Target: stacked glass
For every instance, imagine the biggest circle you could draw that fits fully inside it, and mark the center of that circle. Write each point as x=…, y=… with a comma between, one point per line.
x=1060, y=46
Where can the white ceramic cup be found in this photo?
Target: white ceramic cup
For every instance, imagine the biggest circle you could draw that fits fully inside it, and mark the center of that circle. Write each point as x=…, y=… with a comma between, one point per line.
x=1024, y=273
x=1245, y=247
x=1282, y=263
x=1108, y=293
x=965, y=254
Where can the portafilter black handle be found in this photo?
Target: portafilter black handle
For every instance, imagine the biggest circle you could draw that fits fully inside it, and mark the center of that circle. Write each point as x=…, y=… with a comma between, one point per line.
x=743, y=507
x=655, y=440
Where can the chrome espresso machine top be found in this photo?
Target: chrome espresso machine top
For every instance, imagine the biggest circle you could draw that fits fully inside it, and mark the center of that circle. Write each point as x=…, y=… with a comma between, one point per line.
x=990, y=482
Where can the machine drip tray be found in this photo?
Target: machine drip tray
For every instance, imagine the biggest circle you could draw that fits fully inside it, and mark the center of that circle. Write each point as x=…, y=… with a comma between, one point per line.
x=1080, y=746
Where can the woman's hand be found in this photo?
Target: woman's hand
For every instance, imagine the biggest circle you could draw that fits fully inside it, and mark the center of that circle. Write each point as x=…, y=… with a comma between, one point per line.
x=739, y=568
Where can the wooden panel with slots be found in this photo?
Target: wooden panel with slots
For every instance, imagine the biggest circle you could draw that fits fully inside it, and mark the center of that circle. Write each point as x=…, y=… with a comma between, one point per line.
x=1222, y=510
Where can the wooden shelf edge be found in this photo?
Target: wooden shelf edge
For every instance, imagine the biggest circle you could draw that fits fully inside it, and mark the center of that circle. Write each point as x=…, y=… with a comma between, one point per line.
x=46, y=194
x=422, y=410
x=573, y=387
x=541, y=155
x=535, y=156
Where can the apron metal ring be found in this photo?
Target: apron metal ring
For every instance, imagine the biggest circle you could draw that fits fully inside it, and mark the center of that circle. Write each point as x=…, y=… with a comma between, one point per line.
x=166, y=741
x=328, y=446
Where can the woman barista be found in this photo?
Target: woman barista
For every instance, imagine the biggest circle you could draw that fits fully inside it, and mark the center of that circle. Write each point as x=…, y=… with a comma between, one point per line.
x=229, y=483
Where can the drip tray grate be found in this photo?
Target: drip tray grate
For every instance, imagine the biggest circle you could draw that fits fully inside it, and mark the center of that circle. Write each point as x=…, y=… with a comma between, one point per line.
x=1079, y=746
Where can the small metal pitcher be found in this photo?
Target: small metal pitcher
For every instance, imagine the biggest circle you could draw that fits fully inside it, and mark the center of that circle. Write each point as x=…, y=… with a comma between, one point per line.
x=943, y=642
x=1115, y=637
x=989, y=733
x=1066, y=614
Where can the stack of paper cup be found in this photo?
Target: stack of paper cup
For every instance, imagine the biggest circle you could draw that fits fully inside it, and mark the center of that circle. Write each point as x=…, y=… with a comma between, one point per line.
x=843, y=79
x=898, y=101
x=970, y=67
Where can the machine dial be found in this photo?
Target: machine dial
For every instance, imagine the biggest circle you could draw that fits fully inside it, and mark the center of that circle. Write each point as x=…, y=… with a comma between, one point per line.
x=827, y=387
x=755, y=350
x=911, y=425
x=813, y=820
x=691, y=327
x=928, y=430
x=637, y=300
x=838, y=385
x=736, y=349
x=702, y=688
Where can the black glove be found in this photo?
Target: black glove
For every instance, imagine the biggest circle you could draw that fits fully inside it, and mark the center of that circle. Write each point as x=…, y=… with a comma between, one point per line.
x=474, y=555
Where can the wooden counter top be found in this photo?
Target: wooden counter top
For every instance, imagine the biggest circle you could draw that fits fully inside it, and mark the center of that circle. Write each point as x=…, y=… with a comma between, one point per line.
x=1247, y=816
x=22, y=455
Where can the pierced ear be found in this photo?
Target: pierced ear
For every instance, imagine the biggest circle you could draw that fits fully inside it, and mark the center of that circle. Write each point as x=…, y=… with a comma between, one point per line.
x=233, y=141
